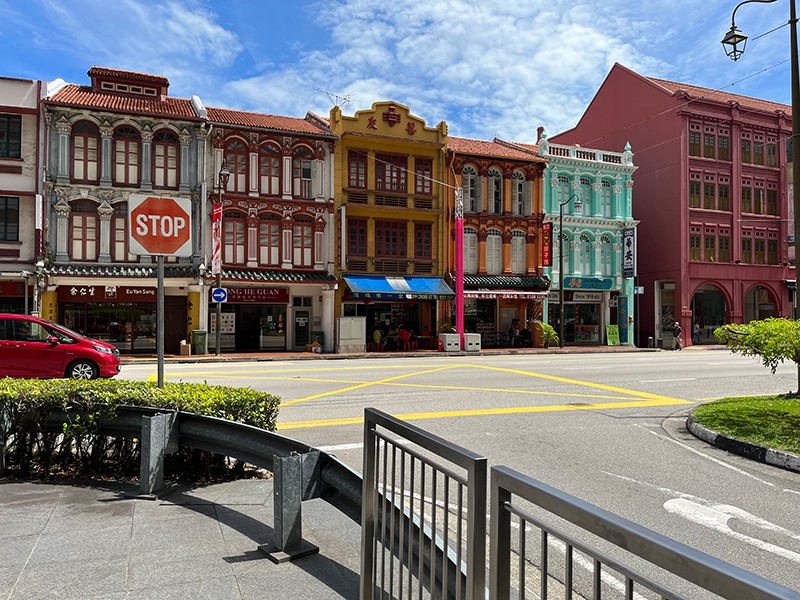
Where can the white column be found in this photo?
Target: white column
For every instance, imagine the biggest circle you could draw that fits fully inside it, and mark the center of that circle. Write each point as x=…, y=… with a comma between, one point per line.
x=328, y=295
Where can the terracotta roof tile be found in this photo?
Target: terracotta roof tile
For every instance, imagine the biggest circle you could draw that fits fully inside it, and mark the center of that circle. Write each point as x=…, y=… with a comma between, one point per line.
x=718, y=96
x=495, y=149
x=133, y=75
x=80, y=96
x=252, y=119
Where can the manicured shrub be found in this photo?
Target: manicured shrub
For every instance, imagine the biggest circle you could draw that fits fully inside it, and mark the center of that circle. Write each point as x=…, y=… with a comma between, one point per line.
x=31, y=443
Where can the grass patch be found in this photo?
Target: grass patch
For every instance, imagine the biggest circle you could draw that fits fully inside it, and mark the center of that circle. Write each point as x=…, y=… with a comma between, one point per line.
x=771, y=421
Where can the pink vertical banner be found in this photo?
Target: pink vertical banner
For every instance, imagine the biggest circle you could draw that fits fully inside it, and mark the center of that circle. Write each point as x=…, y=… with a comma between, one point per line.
x=216, y=238
x=459, y=223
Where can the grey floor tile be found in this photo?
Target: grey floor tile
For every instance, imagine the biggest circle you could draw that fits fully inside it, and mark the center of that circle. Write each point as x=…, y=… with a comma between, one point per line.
x=226, y=588
x=88, y=544
x=144, y=572
x=72, y=580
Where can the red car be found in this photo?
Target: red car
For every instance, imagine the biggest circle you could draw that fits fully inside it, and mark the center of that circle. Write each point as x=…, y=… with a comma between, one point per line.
x=31, y=347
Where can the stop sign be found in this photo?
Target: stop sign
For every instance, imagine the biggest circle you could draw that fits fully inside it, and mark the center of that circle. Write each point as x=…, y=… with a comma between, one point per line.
x=159, y=225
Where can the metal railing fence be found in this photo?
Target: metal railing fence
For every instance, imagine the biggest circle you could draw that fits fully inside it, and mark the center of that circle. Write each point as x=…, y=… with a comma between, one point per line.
x=511, y=491
x=423, y=524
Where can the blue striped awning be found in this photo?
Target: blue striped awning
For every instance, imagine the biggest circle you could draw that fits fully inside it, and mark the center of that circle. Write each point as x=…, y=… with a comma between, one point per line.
x=398, y=288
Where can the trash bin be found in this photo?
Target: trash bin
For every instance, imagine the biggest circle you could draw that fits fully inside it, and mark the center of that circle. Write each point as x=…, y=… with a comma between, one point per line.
x=199, y=338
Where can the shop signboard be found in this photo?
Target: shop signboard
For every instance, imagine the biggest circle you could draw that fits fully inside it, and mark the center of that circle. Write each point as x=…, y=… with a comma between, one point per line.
x=588, y=283
x=547, y=244
x=106, y=293
x=255, y=295
x=629, y=252
x=612, y=335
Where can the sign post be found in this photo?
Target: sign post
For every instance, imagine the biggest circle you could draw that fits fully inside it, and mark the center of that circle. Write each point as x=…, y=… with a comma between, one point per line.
x=159, y=226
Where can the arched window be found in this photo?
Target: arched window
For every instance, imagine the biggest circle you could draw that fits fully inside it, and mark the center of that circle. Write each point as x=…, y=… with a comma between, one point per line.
x=469, y=185
x=236, y=161
x=518, y=262
x=119, y=234
x=519, y=201
x=585, y=255
x=605, y=199
x=127, y=143
x=85, y=152
x=165, y=159
x=269, y=240
x=605, y=256
x=234, y=237
x=269, y=170
x=563, y=193
x=470, y=250
x=586, y=196
x=303, y=242
x=494, y=191
x=84, y=230
x=301, y=173
x=494, y=252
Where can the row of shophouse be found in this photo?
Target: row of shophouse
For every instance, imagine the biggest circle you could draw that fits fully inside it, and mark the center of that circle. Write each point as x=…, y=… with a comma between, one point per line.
x=332, y=226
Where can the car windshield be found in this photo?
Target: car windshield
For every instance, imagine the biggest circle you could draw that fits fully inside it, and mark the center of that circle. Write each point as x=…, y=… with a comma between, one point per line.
x=66, y=330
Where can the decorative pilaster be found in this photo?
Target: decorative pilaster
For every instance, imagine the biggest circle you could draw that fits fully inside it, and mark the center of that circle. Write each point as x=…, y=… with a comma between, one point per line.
x=64, y=128
x=183, y=181
x=105, y=212
x=106, y=143
x=147, y=159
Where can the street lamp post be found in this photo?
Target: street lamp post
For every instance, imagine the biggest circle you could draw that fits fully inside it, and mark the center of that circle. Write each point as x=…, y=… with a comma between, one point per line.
x=223, y=177
x=734, y=43
x=578, y=206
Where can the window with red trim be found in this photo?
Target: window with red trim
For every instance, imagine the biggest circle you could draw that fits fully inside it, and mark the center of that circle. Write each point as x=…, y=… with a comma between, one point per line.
x=423, y=241
x=127, y=144
x=269, y=240
x=390, y=239
x=85, y=152
x=269, y=170
x=236, y=161
x=303, y=242
x=357, y=237
x=234, y=237
x=357, y=169
x=84, y=232
x=423, y=176
x=165, y=159
x=390, y=172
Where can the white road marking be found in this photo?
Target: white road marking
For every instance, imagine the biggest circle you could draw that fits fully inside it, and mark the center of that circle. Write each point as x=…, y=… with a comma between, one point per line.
x=711, y=458
x=666, y=380
x=716, y=517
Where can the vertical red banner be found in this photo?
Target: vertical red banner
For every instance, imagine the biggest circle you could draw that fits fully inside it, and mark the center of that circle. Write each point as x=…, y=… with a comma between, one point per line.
x=216, y=238
x=547, y=244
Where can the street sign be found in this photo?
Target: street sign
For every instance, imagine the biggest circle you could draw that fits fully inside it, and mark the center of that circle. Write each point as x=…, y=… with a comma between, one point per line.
x=638, y=289
x=160, y=226
x=219, y=295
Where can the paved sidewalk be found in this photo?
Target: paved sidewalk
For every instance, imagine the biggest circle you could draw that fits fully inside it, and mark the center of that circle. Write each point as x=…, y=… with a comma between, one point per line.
x=91, y=541
x=271, y=356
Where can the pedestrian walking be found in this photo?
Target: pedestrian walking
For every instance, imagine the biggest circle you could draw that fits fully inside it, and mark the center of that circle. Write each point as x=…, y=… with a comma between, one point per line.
x=676, y=335
x=696, y=333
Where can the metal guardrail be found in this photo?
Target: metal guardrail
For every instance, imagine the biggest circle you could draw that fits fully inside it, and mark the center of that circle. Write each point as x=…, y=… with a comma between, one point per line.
x=511, y=490
x=423, y=524
x=301, y=471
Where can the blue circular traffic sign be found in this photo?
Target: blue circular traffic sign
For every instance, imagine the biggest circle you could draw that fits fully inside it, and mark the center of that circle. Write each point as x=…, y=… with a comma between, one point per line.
x=219, y=295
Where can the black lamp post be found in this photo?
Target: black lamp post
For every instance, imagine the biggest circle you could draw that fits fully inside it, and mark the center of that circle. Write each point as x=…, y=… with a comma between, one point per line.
x=734, y=43
x=578, y=206
x=223, y=177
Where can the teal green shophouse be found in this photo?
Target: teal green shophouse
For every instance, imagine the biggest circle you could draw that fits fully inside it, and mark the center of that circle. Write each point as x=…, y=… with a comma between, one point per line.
x=587, y=201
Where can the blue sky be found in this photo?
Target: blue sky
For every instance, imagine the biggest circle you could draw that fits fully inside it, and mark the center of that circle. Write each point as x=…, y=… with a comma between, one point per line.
x=489, y=67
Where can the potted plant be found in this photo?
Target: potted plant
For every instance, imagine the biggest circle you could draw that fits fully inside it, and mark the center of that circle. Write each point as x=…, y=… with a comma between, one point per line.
x=547, y=334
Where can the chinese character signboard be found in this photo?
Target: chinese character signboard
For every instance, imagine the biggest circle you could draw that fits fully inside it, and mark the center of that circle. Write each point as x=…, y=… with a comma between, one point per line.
x=629, y=252
x=547, y=244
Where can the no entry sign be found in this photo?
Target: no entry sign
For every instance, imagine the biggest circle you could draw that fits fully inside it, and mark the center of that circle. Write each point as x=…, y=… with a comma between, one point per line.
x=159, y=225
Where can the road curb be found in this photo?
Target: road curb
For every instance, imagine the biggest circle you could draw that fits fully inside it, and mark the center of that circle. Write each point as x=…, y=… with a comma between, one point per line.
x=776, y=458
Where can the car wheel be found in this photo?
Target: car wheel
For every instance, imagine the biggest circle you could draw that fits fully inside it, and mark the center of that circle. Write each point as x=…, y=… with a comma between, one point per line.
x=82, y=369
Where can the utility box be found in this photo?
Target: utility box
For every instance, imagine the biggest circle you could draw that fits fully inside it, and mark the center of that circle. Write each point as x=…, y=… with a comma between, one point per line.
x=472, y=342
x=450, y=342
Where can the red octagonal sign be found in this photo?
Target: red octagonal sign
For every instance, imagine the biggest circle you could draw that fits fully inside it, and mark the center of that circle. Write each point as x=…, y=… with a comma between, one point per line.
x=160, y=225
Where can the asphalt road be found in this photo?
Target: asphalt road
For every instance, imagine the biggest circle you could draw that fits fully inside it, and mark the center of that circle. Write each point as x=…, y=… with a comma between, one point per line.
x=608, y=428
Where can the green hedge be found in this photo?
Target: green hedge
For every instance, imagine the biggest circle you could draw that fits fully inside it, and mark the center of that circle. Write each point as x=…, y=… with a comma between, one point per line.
x=26, y=403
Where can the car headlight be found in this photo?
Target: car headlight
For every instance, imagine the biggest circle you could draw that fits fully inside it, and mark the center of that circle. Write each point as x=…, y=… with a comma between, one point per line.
x=105, y=350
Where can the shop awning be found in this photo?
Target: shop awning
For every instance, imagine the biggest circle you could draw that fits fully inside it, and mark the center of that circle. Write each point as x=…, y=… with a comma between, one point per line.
x=487, y=294
x=398, y=288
